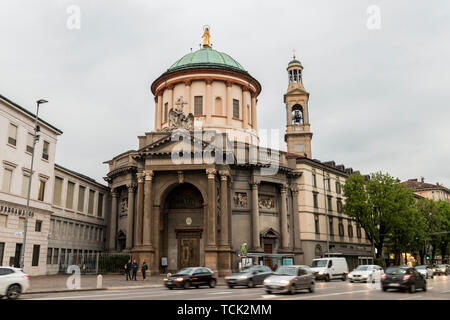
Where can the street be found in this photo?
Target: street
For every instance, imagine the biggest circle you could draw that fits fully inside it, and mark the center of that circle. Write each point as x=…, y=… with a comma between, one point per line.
x=438, y=289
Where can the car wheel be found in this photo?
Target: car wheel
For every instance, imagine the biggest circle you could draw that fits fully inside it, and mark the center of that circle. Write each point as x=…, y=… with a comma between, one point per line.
x=250, y=283
x=412, y=288
x=424, y=288
x=344, y=277
x=187, y=284
x=311, y=288
x=292, y=289
x=432, y=277
x=230, y=286
x=13, y=292
x=212, y=283
x=269, y=291
x=327, y=278
x=384, y=288
x=170, y=288
x=351, y=281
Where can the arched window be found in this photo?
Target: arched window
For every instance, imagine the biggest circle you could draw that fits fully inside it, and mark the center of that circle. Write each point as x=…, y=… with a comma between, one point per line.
x=218, y=106
x=297, y=114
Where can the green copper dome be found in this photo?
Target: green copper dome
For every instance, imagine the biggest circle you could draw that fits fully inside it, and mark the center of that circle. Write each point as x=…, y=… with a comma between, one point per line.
x=206, y=58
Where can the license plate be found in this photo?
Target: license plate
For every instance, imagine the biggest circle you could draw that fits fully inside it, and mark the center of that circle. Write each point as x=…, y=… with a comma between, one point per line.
x=394, y=284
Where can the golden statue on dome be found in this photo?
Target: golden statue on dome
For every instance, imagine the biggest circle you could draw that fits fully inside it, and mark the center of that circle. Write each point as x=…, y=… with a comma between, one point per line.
x=206, y=36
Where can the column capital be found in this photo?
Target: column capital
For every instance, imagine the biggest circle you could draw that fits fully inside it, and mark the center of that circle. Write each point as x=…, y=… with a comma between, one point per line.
x=245, y=88
x=253, y=94
x=187, y=82
x=114, y=193
x=148, y=174
x=228, y=83
x=224, y=174
x=294, y=190
x=170, y=86
x=283, y=188
x=180, y=174
x=131, y=187
x=208, y=81
x=156, y=98
x=211, y=172
x=255, y=184
x=140, y=177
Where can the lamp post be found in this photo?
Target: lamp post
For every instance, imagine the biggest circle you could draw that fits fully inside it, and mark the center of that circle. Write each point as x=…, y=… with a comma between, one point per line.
x=27, y=209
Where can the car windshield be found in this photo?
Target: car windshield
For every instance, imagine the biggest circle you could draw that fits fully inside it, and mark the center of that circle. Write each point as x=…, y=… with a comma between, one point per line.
x=248, y=269
x=396, y=271
x=420, y=267
x=286, y=271
x=441, y=266
x=185, y=271
x=362, y=268
x=318, y=263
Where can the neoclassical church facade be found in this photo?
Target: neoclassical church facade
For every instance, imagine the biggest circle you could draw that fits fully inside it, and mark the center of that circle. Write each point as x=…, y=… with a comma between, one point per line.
x=199, y=186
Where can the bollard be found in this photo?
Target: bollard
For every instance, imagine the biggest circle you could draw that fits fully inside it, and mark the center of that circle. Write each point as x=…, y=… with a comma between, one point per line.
x=99, y=281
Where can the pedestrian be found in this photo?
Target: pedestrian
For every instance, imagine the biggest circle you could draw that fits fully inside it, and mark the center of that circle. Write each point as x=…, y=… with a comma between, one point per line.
x=144, y=270
x=134, y=268
x=127, y=270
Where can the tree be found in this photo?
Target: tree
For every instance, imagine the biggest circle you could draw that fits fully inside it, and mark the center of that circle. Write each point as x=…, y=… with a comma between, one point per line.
x=443, y=208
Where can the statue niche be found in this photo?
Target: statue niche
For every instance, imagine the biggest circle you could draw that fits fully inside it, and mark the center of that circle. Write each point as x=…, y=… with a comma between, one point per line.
x=177, y=118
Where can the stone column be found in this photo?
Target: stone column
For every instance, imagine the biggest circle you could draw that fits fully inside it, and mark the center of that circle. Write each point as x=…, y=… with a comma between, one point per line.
x=284, y=222
x=160, y=111
x=139, y=211
x=170, y=91
x=187, y=91
x=211, y=234
x=229, y=104
x=288, y=114
x=224, y=207
x=244, y=107
x=130, y=216
x=157, y=111
x=296, y=227
x=255, y=218
x=147, y=236
x=208, y=100
x=155, y=233
x=254, y=118
x=113, y=226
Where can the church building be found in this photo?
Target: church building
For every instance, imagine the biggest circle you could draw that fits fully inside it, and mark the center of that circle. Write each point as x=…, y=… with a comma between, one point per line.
x=199, y=186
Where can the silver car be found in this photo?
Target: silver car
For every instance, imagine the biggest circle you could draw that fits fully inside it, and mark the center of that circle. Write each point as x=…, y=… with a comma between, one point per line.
x=290, y=279
x=426, y=271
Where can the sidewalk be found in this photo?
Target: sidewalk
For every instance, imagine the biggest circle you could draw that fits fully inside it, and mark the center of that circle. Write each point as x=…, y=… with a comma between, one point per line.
x=57, y=283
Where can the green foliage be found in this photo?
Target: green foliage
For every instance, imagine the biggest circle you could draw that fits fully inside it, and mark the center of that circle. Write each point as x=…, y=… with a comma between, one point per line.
x=379, y=262
x=113, y=262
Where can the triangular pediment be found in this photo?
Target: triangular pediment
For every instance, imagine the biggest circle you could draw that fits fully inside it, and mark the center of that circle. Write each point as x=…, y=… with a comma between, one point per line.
x=297, y=91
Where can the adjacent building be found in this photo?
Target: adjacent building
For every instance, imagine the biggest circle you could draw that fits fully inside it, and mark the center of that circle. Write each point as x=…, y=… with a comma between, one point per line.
x=431, y=191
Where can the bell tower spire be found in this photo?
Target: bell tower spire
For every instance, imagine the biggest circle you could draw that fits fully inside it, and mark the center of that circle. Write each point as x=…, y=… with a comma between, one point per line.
x=298, y=135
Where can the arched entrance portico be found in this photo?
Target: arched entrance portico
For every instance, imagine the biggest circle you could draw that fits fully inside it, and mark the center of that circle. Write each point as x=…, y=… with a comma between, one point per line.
x=182, y=219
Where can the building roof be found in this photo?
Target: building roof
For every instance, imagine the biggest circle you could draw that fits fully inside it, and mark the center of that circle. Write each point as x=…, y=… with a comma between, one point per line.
x=295, y=62
x=206, y=58
x=29, y=113
x=421, y=185
x=82, y=176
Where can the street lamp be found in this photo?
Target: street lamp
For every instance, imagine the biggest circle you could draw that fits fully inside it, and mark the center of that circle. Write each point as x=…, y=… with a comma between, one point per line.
x=27, y=209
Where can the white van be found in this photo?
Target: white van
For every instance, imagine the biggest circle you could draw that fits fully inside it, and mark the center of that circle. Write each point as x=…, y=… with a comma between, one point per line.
x=330, y=268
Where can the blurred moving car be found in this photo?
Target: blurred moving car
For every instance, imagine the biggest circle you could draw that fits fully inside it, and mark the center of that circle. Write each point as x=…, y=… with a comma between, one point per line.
x=13, y=282
x=366, y=273
x=249, y=276
x=191, y=277
x=330, y=268
x=290, y=279
x=441, y=269
x=425, y=270
x=403, y=278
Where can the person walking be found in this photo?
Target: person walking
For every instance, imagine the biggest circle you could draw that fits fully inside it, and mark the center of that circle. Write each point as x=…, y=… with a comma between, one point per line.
x=128, y=270
x=144, y=268
x=134, y=268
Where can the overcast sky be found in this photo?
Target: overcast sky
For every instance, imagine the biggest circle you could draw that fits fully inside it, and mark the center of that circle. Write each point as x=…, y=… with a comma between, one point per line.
x=379, y=97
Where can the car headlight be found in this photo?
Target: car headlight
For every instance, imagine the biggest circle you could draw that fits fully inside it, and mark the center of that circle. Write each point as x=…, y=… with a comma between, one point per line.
x=242, y=277
x=227, y=277
x=321, y=272
x=179, y=279
x=165, y=279
x=284, y=282
x=267, y=281
x=364, y=276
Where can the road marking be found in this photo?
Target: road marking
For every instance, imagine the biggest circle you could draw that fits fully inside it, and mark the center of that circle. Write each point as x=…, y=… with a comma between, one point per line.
x=222, y=292
x=241, y=295
x=448, y=291
x=268, y=296
x=410, y=298
x=109, y=294
x=327, y=295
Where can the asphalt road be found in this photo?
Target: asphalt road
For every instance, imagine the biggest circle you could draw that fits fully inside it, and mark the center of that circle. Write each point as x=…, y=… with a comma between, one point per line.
x=438, y=289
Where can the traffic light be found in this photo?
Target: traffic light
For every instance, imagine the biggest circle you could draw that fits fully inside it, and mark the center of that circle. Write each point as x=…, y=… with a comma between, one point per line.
x=428, y=257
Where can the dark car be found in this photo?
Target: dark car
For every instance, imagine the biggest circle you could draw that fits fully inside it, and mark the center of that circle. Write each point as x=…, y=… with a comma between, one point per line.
x=191, y=277
x=403, y=278
x=249, y=276
x=441, y=269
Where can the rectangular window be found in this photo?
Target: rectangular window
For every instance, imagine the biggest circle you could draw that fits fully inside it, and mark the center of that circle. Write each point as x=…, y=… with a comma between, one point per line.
x=327, y=183
x=91, y=201
x=25, y=182
x=81, y=191
x=69, y=198
x=100, y=205
x=338, y=187
x=12, y=134
x=236, y=108
x=63, y=257
x=35, y=259
x=316, y=223
x=316, y=202
x=358, y=231
x=55, y=256
x=341, y=228
x=3, y=222
x=314, y=180
x=198, y=105
x=166, y=111
x=21, y=225
x=30, y=141
x=57, y=189
x=331, y=225
x=350, y=230
x=339, y=205
x=7, y=176
x=330, y=206
x=41, y=190
x=2, y=250
x=38, y=226
x=49, y=255
x=45, y=150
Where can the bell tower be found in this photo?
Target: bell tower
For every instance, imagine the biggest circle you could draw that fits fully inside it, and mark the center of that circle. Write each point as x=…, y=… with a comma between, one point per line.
x=298, y=135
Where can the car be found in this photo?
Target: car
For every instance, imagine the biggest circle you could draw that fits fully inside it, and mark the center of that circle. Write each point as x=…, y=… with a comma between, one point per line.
x=290, y=279
x=426, y=271
x=441, y=269
x=191, y=277
x=13, y=282
x=366, y=273
x=249, y=276
x=329, y=268
x=403, y=278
